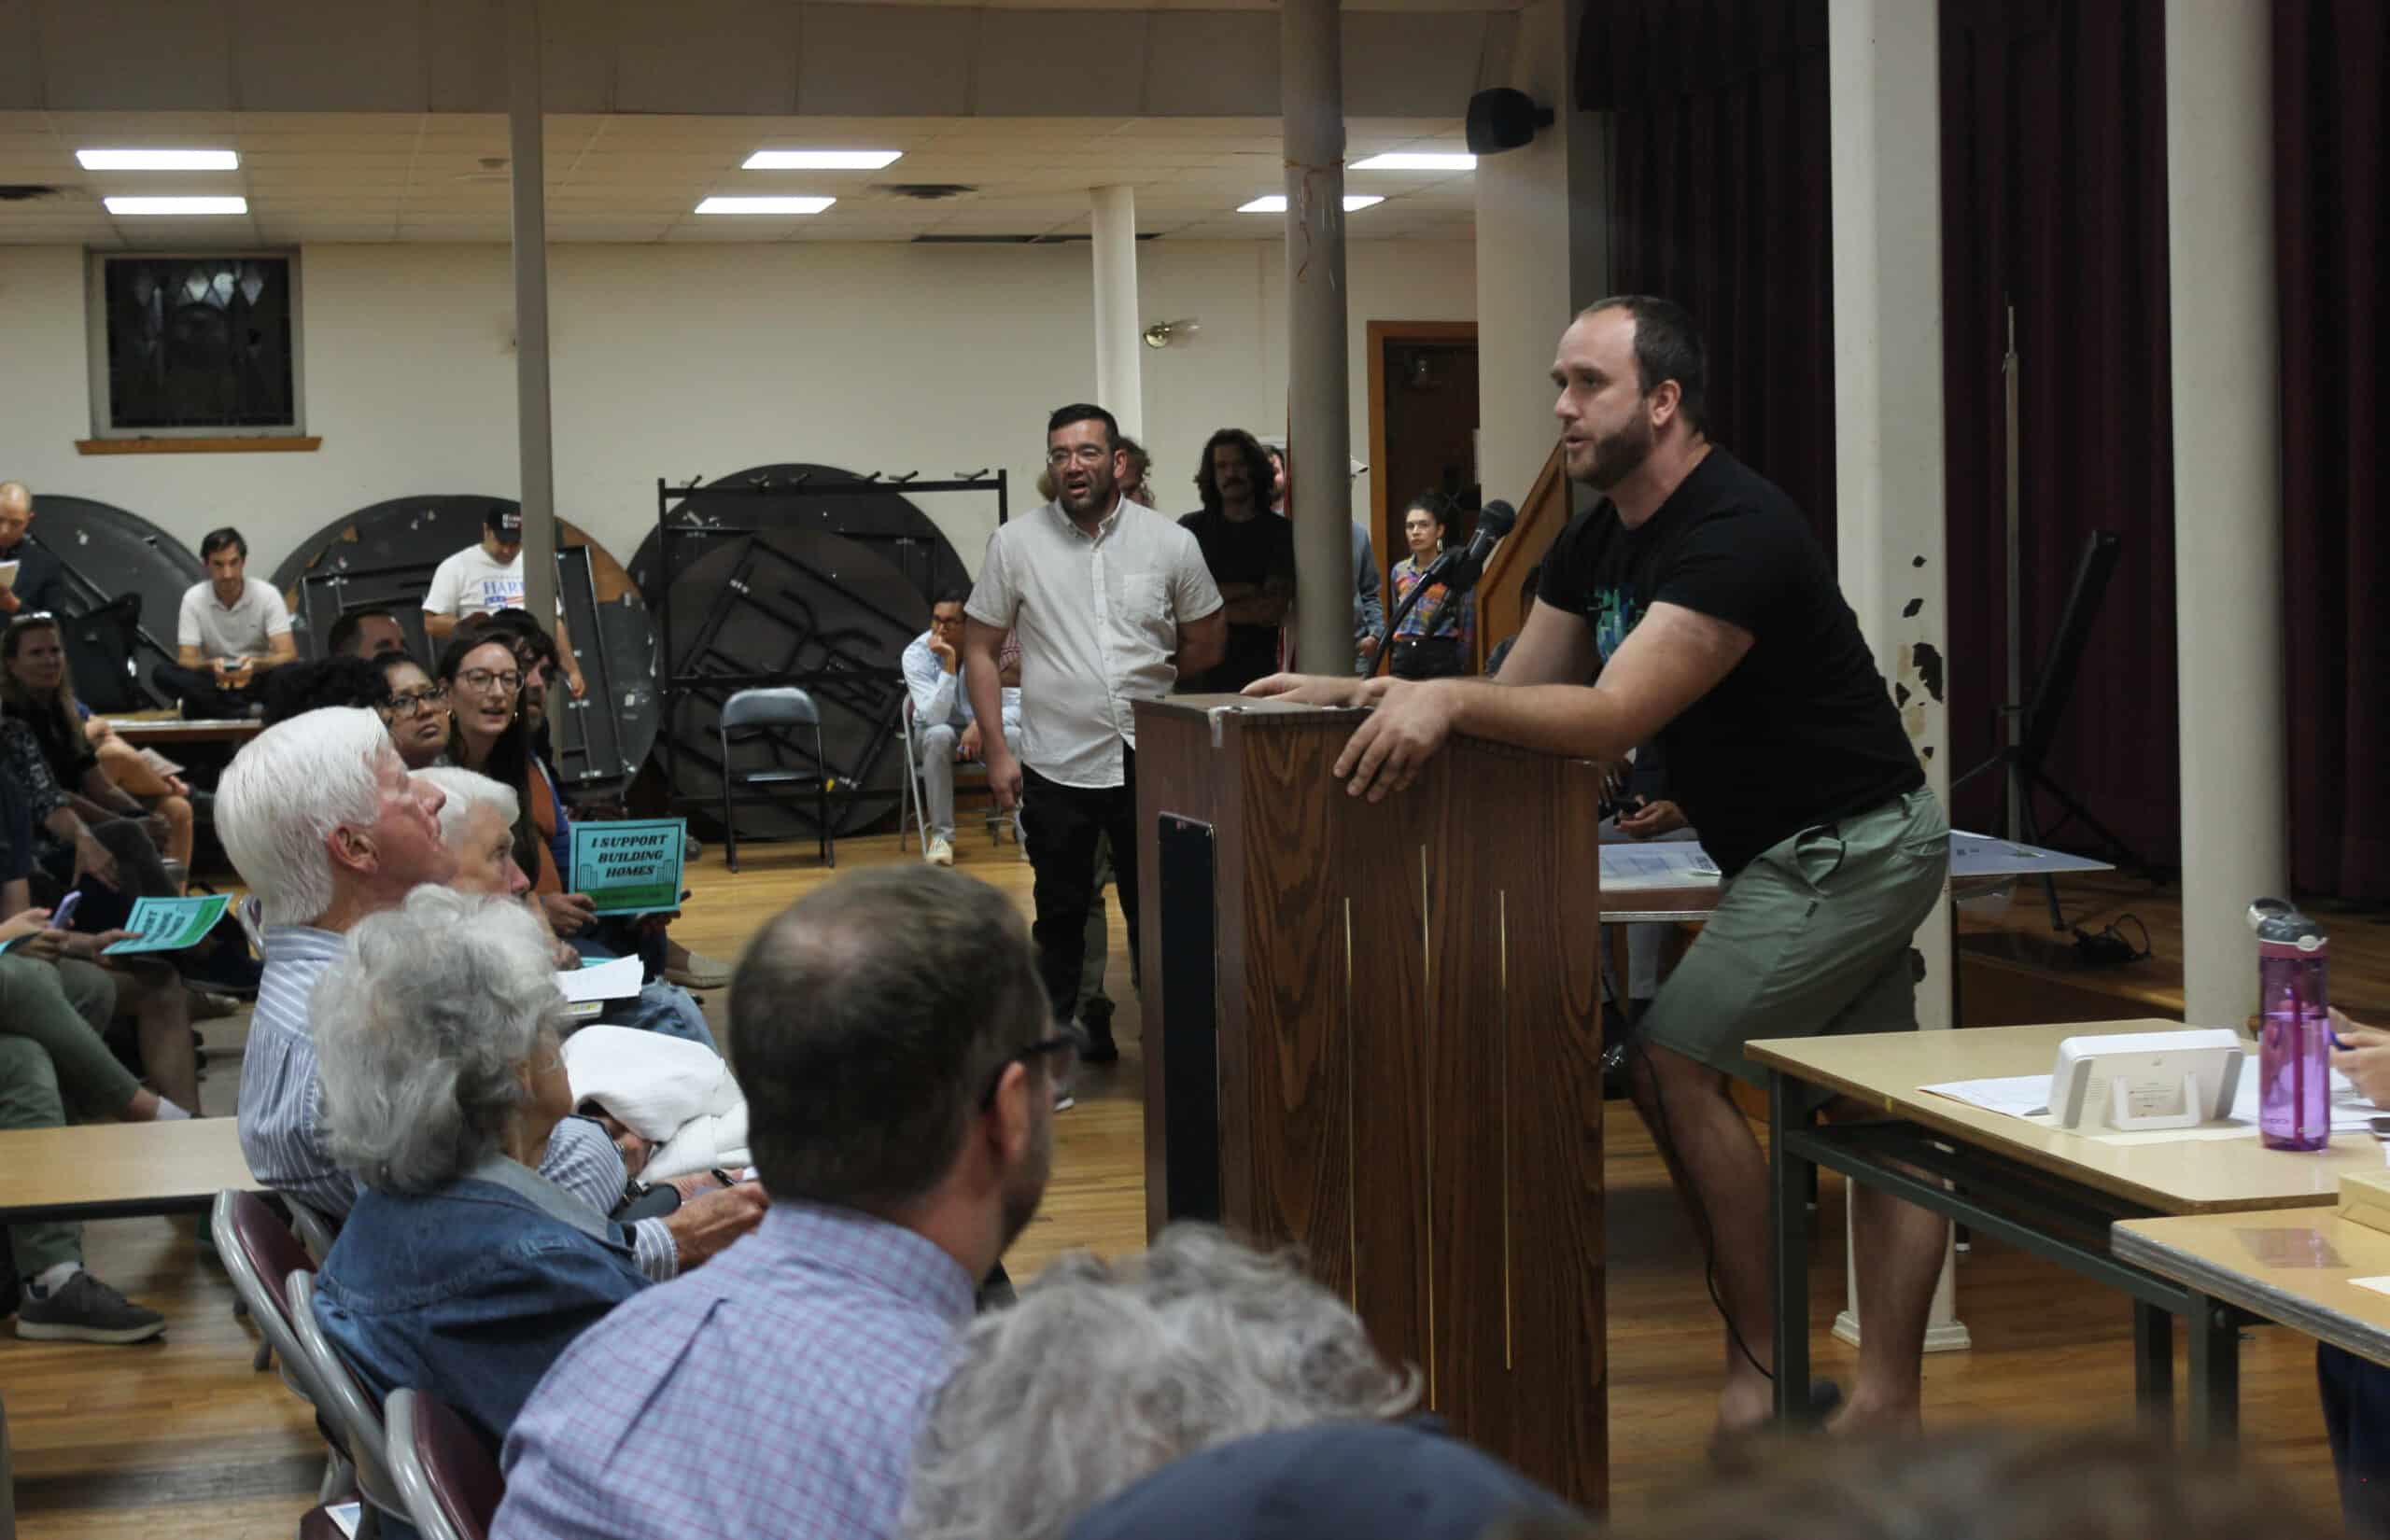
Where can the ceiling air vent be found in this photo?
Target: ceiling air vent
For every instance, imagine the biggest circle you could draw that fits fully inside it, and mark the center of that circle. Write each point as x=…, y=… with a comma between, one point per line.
x=926, y=192
x=24, y=192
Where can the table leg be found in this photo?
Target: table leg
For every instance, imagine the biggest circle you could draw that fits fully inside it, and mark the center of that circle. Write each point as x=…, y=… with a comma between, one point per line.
x=2215, y=1372
x=1789, y=1207
x=2153, y=1367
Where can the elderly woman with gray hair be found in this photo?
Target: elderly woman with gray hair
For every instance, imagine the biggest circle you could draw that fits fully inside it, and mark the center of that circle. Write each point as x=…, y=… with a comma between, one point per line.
x=461, y=1270
x=1105, y=1372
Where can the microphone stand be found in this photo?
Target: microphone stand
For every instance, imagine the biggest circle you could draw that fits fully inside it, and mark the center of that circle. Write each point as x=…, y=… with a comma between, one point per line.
x=1451, y=567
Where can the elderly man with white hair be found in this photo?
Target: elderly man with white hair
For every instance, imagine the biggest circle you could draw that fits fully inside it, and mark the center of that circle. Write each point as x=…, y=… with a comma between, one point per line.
x=325, y=827
x=1105, y=1372
x=461, y=1271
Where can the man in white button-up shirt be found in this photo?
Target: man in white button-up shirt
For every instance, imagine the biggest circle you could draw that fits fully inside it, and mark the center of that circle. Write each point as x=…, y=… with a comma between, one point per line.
x=1110, y=603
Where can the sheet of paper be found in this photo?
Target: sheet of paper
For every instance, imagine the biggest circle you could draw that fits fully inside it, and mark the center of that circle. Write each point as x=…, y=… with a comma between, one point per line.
x=158, y=764
x=631, y=867
x=170, y=924
x=1656, y=867
x=7, y=574
x=2018, y=1096
x=1975, y=856
x=619, y=979
x=2351, y=1112
x=2379, y=1285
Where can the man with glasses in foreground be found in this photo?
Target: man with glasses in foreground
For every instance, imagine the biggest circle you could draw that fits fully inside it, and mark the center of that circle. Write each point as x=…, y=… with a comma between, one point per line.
x=894, y=1045
x=1111, y=603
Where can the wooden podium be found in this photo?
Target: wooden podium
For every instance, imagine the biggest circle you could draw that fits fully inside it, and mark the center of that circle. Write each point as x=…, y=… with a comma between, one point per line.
x=1374, y=1032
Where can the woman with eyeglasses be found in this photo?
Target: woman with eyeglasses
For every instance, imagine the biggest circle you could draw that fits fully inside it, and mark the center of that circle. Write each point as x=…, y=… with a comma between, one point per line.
x=416, y=711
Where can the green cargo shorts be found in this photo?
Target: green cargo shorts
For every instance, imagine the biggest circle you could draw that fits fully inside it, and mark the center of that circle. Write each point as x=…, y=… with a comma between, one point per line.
x=1812, y=937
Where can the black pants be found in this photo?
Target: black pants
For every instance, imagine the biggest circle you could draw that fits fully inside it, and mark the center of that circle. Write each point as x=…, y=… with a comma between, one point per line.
x=1062, y=823
x=196, y=691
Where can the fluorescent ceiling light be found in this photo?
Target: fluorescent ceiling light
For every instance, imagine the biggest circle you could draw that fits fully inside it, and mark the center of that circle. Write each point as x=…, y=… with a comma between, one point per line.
x=176, y=206
x=159, y=160
x=1276, y=202
x=764, y=206
x=1416, y=160
x=822, y=159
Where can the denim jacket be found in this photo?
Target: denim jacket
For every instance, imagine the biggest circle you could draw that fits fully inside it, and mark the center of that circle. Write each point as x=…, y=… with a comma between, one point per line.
x=470, y=1293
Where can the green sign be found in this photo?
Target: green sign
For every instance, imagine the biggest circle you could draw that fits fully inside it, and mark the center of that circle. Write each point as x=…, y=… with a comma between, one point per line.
x=170, y=924
x=632, y=867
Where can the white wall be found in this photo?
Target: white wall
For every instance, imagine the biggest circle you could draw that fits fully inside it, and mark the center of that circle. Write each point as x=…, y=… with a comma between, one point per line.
x=677, y=361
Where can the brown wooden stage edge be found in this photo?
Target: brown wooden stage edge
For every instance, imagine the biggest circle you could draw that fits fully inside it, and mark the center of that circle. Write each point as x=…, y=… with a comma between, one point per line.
x=1374, y=1032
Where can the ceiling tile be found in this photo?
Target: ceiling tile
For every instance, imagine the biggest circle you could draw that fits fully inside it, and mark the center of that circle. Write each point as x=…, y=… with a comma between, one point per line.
x=737, y=55
x=868, y=59
x=134, y=54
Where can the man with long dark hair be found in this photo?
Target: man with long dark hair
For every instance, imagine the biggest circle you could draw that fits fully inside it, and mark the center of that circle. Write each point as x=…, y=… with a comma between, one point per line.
x=1251, y=558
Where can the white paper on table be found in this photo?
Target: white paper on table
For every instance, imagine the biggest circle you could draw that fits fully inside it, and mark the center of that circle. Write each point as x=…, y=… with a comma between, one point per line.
x=620, y=979
x=1656, y=867
x=2353, y=1111
x=2018, y=1096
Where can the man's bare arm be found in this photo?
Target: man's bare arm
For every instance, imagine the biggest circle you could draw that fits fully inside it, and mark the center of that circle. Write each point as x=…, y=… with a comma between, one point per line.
x=1201, y=644
x=1673, y=658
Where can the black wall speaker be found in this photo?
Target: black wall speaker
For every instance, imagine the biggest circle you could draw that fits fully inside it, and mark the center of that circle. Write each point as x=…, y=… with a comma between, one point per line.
x=1503, y=119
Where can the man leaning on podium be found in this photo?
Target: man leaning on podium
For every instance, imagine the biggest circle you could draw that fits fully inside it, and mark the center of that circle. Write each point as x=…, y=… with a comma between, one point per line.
x=1692, y=605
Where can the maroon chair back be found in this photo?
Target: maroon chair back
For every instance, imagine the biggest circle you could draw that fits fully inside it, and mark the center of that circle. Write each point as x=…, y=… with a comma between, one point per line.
x=436, y=1454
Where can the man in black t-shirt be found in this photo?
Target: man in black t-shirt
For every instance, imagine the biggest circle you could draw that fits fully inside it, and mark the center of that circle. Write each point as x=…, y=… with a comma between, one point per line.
x=1692, y=605
x=1251, y=556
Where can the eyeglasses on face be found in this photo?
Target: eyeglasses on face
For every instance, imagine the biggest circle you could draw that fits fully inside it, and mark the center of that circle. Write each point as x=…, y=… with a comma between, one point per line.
x=482, y=678
x=1063, y=1048
x=1083, y=453
x=415, y=702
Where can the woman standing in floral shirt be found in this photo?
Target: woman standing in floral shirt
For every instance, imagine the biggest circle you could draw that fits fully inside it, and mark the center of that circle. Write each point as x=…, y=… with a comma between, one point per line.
x=1434, y=638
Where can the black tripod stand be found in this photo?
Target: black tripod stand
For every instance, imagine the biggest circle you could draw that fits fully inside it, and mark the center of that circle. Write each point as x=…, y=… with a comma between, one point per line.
x=2040, y=717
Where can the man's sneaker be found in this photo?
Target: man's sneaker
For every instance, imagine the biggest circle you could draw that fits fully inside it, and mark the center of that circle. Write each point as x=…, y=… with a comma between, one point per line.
x=941, y=852
x=1063, y=1101
x=1099, y=1048
x=84, y=1310
x=697, y=971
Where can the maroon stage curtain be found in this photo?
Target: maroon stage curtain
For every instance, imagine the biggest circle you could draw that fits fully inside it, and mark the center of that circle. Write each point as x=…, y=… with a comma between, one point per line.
x=1718, y=202
x=2331, y=202
x=2054, y=198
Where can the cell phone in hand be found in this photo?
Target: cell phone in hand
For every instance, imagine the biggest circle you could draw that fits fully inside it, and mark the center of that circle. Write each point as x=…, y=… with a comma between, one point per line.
x=62, y=917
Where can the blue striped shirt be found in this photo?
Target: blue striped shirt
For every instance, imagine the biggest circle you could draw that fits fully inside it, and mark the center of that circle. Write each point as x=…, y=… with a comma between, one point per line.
x=777, y=1391
x=282, y=1106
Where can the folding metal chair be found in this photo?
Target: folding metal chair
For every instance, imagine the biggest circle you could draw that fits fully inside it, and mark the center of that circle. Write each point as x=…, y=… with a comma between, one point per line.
x=914, y=819
x=346, y=1405
x=761, y=710
x=452, y=1486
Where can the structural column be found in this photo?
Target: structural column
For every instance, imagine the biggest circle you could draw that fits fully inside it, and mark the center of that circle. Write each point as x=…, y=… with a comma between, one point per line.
x=1120, y=369
x=529, y=176
x=2228, y=492
x=1542, y=254
x=1319, y=432
x=1889, y=535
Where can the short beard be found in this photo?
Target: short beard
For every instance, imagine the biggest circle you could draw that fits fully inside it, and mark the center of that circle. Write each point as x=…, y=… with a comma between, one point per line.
x=1099, y=497
x=1620, y=454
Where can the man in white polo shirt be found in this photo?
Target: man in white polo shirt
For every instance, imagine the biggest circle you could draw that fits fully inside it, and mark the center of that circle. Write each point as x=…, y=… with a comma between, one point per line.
x=232, y=631
x=483, y=579
x=1111, y=602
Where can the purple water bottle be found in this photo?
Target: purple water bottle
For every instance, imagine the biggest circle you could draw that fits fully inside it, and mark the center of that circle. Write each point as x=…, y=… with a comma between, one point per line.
x=2295, y=1034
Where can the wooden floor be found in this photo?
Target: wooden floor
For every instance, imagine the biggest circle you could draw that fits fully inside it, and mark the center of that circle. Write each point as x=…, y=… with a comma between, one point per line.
x=180, y=1436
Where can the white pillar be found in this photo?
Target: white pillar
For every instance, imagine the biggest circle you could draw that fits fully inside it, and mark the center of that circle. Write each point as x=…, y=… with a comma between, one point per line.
x=1542, y=254
x=1120, y=378
x=1310, y=76
x=1885, y=142
x=2228, y=492
x=532, y=423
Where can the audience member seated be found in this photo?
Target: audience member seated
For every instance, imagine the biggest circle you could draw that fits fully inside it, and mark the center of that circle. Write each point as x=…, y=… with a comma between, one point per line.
x=461, y=1270
x=1381, y=1480
x=1106, y=1372
x=945, y=733
x=416, y=708
x=39, y=582
x=40, y=825
x=50, y=997
x=325, y=828
x=338, y=680
x=368, y=634
x=39, y=694
x=892, y=1035
x=477, y=822
x=643, y=936
x=158, y=791
x=2051, y=1483
x=233, y=631
x=1435, y=637
x=488, y=576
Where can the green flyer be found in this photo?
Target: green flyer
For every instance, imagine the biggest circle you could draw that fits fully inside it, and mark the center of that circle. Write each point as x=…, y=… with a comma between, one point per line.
x=171, y=924
x=629, y=868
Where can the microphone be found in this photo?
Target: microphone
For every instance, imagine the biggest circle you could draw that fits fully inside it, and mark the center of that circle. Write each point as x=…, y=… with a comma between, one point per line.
x=1494, y=521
